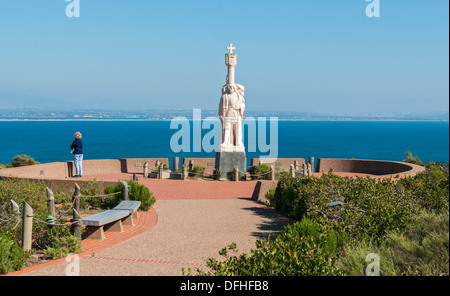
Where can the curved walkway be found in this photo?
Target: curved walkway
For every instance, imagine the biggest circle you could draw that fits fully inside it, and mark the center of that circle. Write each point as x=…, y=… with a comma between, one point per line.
x=192, y=221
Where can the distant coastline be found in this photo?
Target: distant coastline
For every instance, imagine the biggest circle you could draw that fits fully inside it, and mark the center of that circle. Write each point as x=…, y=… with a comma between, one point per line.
x=168, y=115
x=279, y=119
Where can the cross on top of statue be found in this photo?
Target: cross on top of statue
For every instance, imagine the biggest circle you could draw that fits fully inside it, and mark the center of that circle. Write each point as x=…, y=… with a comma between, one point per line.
x=230, y=48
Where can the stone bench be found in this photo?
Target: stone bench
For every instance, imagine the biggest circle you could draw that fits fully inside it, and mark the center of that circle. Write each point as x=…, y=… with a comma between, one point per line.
x=128, y=205
x=110, y=221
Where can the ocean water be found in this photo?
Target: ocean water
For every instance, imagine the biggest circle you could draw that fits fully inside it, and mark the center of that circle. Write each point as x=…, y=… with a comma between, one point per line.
x=49, y=141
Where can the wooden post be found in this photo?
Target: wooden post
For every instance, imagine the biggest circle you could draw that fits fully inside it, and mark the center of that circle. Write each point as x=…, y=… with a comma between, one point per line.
x=27, y=226
x=296, y=164
x=126, y=194
x=51, y=203
x=305, y=173
x=236, y=173
x=292, y=170
x=272, y=172
x=146, y=170
x=309, y=169
x=75, y=228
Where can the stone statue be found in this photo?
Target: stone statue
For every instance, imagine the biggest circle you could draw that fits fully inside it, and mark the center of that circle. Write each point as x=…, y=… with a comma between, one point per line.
x=231, y=113
x=231, y=151
x=231, y=108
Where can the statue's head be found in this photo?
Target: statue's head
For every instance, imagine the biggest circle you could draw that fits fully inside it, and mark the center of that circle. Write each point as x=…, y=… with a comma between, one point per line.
x=231, y=88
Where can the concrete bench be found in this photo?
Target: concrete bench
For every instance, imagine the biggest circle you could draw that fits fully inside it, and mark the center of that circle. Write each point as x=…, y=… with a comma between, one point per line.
x=128, y=205
x=110, y=221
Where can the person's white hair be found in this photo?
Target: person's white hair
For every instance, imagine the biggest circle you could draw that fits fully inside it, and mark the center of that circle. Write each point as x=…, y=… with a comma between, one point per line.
x=78, y=135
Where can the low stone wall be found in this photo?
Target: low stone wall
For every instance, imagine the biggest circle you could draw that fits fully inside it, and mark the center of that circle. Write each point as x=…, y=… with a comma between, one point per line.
x=54, y=170
x=136, y=165
x=66, y=169
x=281, y=162
x=261, y=189
x=379, y=168
x=207, y=163
x=57, y=173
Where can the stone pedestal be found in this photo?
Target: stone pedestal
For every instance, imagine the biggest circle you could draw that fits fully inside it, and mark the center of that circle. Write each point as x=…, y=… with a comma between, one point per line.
x=177, y=175
x=160, y=174
x=227, y=160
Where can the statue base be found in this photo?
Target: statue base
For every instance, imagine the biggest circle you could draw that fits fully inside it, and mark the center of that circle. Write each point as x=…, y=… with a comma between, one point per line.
x=227, y=160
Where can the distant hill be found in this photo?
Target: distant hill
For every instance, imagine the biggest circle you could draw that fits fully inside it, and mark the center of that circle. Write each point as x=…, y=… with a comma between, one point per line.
x=23, y=106
x=24, y=101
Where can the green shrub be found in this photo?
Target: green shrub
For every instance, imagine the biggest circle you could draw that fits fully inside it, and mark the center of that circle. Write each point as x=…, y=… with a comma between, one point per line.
x=280, y=172
x=197, y=171
x=136, y=192
x=270, y=194
x=431, y=187
x=23, y=160
x=216, y=174
x=304, y=248
x=259, y=172
x=5, y=166
x=63, y=246
x=423, y=249
x=33, y=193
x=91, y=188
x=404, y=221
x=370, y=207
x=230, y=175
x=12, y=257
x=411, y=159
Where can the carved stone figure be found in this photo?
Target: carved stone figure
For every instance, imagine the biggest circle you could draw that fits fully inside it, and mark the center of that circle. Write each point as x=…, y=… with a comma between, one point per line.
x=231, y=151
x=231, y=108
x=231, y=113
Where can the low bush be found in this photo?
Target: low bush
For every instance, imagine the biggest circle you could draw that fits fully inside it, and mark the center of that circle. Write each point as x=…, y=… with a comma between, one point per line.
x=216, y=174
x=136, y=192
x=270, y=195
x=197, y=172
x=304, y=248
x=259, y=172
x=404, y=221
x=410, y=158
x=62, y=246
x=280, y=172
x=369, y=207
x=423, y=249
x=230, y=175
x=18, y=161
x=12, y=257
x=33, y=193
x=91, y=189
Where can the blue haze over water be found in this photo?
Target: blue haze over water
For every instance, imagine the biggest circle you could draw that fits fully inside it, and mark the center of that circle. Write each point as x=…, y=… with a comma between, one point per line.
x=49, y=141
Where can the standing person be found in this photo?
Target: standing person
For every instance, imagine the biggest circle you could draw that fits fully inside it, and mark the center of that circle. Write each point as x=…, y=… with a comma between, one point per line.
x=77, y=150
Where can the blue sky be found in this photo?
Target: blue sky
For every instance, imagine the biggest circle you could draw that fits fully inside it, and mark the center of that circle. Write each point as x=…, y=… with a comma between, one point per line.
x=315, y=56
